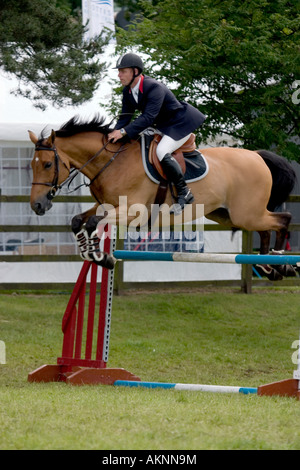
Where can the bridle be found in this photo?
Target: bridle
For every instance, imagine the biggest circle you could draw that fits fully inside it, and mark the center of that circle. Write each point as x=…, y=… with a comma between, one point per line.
x=54, y=185
x=74, y=172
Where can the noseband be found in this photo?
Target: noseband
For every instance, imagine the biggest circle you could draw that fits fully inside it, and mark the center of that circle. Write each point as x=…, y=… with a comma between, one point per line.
x=54, y=185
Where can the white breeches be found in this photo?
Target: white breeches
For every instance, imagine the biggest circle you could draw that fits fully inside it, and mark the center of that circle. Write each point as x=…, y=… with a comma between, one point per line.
x=169, y=145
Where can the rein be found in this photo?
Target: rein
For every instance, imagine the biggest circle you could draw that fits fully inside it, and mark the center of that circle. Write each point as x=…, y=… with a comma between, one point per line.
x=55, y=186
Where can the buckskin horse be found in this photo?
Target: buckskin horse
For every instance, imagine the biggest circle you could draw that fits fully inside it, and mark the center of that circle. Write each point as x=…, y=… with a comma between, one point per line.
x=241, y=188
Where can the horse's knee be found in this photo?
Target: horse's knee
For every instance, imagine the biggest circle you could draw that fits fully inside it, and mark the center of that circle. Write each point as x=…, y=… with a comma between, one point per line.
x=76, y=224
x=91, y=224
x=286, y=270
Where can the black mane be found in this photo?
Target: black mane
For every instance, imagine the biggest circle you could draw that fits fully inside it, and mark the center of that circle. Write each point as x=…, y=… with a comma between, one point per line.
x=75, y=126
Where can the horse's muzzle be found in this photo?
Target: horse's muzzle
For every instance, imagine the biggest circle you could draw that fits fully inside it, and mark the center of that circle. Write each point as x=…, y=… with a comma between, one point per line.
x=41, y=206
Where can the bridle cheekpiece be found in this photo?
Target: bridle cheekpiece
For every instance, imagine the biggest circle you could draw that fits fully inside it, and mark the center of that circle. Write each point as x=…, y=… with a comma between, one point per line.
x=54, y=185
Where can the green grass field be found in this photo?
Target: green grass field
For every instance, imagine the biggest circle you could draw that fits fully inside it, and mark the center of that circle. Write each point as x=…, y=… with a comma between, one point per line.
x=213, y=337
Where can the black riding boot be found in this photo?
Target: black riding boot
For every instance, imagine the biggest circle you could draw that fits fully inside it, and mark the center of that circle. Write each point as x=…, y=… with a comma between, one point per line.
x=174, y=174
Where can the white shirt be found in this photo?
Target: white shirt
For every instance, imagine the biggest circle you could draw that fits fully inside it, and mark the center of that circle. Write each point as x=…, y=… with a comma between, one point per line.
x=135, y=91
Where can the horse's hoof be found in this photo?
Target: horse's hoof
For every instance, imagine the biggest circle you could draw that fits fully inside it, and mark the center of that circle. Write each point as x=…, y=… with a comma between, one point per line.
x=105, y=260
x=269, y=272
x=286, y=270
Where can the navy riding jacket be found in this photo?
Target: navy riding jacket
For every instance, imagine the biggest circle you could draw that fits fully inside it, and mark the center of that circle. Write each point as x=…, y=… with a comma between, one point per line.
x=159, y=109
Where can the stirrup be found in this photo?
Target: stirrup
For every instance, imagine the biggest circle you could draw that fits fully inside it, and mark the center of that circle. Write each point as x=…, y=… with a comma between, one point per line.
x=181, y=202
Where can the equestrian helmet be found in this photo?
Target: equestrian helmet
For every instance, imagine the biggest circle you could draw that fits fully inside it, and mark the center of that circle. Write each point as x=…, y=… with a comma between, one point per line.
x=130, y=60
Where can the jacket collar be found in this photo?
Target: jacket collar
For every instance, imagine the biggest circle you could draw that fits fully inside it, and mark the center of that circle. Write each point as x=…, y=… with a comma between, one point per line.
x=141, y=87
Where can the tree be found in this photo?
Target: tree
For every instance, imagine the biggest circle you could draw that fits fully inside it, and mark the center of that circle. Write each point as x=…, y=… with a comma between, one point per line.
x=42, y=45
x=237, y=61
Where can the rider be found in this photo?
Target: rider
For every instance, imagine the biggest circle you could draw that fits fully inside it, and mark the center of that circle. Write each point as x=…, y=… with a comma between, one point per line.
x=159, y=107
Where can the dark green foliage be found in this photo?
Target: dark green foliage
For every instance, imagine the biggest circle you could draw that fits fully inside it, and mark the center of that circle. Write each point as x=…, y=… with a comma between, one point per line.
x=42, y=45
x=237, y=61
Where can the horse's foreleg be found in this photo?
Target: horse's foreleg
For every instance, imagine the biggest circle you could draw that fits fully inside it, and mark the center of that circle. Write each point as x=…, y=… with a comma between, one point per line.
x=78, y=228
x=84, y=227
x=94, y=239
x=110, y=216
x=80, y=219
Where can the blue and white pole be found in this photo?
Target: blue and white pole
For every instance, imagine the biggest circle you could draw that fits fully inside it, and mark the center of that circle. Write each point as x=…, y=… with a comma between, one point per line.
x=189, y=387
x=206, y=257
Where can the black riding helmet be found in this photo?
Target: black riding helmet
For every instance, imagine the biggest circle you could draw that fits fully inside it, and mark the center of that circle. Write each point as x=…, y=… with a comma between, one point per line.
x=130, y=60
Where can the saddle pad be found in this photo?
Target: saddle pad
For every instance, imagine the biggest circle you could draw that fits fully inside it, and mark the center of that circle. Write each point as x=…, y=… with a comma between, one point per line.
x=196, y=167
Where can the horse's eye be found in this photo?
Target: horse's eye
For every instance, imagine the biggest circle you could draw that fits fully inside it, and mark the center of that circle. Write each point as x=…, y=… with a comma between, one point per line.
x=47, y=165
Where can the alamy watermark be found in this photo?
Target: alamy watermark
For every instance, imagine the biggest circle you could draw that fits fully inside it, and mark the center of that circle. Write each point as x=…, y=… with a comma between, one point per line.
x=296, y=94
x=135, y=218
x=2, y=353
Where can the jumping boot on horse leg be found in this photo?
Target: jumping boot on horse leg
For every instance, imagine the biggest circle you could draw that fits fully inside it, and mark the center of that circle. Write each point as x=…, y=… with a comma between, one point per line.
x=100, y=258
x=81, y=236
x=89, y=243
x=174, y=174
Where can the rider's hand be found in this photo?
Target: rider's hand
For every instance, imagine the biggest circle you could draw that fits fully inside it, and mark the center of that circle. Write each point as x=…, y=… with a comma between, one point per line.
x=115, y=135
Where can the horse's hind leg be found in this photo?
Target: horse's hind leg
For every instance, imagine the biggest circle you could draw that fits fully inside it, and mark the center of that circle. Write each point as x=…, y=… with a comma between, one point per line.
x=265, y=239
x=276, y=272
x=265, y=269
x=285, y=269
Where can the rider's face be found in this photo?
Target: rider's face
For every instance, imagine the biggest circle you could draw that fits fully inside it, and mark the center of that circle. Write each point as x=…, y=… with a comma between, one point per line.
x=125, y=75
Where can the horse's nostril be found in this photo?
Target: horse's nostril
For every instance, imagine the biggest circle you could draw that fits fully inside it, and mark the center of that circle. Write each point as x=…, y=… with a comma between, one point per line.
x=38, y=208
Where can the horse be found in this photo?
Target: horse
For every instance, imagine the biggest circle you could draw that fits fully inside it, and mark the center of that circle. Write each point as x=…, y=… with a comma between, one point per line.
x=241, y=190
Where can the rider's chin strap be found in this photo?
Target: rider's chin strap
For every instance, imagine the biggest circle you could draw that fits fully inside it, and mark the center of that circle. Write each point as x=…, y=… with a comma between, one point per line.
x=134, y=76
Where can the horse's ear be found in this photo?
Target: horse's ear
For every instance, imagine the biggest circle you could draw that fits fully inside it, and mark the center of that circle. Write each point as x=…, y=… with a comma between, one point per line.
x=33, y=137
x=51, y=138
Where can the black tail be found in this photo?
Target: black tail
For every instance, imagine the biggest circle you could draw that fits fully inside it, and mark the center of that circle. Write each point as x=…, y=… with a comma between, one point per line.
x=284, y=178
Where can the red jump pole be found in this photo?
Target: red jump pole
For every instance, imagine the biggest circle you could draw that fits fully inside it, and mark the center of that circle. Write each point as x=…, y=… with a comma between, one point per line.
x=91, y=369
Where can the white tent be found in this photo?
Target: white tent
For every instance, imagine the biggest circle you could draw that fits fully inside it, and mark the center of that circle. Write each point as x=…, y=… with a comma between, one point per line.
x=18, y=115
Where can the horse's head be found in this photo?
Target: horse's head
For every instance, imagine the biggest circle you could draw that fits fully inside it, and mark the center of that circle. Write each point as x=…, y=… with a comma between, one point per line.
x=49, y=170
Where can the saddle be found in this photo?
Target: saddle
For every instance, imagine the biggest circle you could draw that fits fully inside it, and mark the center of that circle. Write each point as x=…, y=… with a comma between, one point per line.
x=194, y=167
x=187, y=148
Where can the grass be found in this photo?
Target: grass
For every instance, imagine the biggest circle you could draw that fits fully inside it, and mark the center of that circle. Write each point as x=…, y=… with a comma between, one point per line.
x=214, y=337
